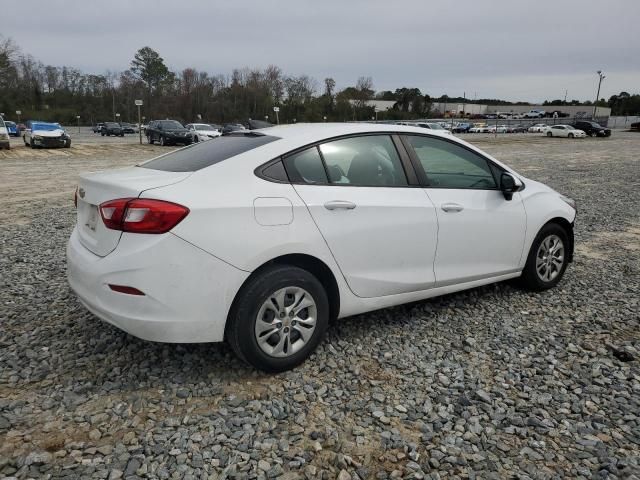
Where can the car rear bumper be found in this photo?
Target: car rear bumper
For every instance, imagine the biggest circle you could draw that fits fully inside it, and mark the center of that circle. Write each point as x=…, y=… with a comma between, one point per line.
x=188, y=292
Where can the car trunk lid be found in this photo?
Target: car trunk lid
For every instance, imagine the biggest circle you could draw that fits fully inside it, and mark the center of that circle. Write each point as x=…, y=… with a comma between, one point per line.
x=97, y=188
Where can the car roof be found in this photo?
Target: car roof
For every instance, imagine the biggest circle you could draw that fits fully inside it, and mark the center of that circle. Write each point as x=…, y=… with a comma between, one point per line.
x=313, y=132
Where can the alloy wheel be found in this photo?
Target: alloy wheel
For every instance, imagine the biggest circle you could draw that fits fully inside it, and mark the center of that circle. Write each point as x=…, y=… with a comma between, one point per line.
x=550, y=258
x=286, y=321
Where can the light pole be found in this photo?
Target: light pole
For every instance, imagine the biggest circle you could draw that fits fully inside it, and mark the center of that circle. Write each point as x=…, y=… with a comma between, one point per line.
x=18, y=112
x=78, y=118
x=118, y=118
x=595, y=105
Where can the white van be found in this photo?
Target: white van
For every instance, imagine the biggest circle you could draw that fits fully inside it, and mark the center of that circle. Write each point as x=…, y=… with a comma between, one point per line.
x=4, y=135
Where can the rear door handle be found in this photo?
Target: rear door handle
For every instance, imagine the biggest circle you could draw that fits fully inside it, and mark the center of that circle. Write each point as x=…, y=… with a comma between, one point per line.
x=339, y=204
x=452, y=207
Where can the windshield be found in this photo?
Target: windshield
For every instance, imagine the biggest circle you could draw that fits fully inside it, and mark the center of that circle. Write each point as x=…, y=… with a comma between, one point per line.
x=10, y=124
x=47, y=127
x=112, y=124
x=435, y=126
x=171, y=124
x=202, y=126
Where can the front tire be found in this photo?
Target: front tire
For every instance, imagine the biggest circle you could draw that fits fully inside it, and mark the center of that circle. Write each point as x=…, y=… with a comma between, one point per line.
x=549, y=134
x=548, y=258
x=570, y=135
x=278, y=318
x=162, y=141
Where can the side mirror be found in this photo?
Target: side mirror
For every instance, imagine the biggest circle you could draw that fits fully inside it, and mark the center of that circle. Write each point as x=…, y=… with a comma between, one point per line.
x=509, y=185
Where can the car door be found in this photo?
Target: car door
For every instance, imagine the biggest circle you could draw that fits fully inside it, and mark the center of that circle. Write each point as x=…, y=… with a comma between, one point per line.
x=381, y=229
x=480, y=233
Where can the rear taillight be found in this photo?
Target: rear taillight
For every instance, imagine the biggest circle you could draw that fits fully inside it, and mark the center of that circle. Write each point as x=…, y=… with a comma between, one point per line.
x=140, y=215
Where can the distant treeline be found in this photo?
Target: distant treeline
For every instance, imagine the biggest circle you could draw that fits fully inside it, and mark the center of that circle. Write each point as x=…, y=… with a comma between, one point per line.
x=61, y=93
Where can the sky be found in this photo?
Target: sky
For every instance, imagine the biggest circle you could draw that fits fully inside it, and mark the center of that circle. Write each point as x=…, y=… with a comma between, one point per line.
x=509, y=49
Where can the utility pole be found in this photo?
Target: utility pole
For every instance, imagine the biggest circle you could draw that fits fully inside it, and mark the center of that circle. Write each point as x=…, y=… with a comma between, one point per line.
x=595, y=104
x=139, y=104
x=565, y=97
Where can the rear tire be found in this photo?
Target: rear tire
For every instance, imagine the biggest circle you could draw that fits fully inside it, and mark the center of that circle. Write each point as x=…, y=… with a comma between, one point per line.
x=547, y=260
x=162, y=141
x=150, y=139
x=281, y=346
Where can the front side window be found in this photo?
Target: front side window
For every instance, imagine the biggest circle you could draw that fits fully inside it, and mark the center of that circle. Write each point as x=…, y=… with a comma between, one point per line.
x=448, y=165
x=370, y=160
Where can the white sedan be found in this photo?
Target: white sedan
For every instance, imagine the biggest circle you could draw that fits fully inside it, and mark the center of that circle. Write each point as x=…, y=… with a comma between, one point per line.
x=537, y=128
x=261, y=237
x=563, y=131
x=202, y=131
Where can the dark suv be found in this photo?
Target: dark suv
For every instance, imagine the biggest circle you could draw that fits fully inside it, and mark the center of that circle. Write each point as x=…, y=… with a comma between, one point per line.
x=112, y=128
x=592, y=129
x=167, y=132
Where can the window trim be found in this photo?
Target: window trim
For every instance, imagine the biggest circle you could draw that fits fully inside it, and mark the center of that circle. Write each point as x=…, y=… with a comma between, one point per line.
x=411, y=175
x=423, y=174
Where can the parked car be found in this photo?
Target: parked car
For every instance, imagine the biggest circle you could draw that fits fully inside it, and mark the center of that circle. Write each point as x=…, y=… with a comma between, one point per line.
x=202, y=131
x=479, y=128
x=537, y=128
x=431, y=126
x=232, y=127
x=97, y=128
x=634, y=127
x=112, y=128
x=45, y=134
x=516, y=129
x=563, y=131
x=4, y=136
x=128, y=127
x=535, y=114
x=463, y=127
x=249, y=239
x=12, y=128
x=497, y=129
x=167, y=132
x=592, y=129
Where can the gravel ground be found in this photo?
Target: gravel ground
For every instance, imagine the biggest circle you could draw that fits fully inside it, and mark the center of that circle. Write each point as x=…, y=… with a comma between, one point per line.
x=490, y=383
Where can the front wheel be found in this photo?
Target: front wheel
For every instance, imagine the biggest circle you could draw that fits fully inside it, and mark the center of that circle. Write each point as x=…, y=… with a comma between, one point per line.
x=278, y=318
x=570, y=135
x=548, y=258
x=150, y=139
x=549, y=134
x=163, y=142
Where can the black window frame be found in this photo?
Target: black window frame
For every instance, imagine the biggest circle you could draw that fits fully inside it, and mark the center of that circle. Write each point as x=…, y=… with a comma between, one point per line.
x=408, y=168
x=424, y=179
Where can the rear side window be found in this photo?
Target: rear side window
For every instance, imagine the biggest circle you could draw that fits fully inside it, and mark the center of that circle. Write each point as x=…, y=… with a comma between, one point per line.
x=306, y=167
x=205, y=154
x=370, y=160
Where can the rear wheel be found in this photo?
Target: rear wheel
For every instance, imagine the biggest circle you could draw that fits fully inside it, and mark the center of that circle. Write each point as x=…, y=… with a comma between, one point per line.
x=162, y=141
x=150, y=139
x=548, y=258
x=278, y=318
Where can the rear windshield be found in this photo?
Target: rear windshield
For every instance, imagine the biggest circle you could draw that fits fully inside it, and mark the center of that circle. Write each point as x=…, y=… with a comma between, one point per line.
x=204, y=154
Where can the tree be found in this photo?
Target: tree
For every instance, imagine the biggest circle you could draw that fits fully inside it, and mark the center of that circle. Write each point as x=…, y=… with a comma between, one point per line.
x=149, y=67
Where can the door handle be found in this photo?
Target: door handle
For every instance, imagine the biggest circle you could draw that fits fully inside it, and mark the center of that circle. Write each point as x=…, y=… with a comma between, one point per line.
x=339, y=204
x=452, y=207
